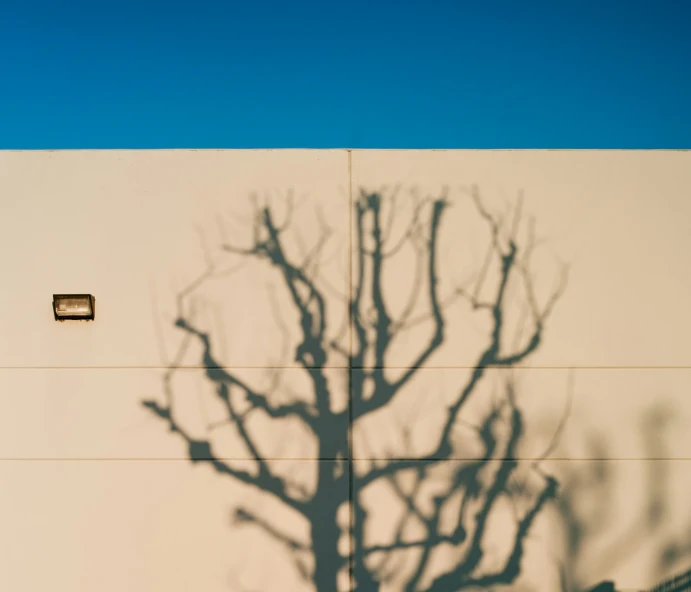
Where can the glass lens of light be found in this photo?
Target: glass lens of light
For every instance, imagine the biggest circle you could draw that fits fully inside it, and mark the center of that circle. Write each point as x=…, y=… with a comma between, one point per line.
x=73, y=306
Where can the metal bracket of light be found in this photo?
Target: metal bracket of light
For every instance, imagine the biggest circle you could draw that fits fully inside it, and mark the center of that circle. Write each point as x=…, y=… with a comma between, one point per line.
x=73, y=307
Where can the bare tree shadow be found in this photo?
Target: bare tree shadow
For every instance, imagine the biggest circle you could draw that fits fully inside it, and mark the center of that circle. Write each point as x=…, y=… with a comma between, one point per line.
x=444, y=535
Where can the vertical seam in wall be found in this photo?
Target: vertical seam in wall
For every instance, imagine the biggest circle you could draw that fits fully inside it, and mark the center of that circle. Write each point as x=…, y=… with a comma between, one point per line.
x=351, y=521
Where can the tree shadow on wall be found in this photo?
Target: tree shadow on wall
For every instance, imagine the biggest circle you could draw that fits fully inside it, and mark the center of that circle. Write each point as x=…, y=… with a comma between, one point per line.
x=438, y=510
x=604, y=527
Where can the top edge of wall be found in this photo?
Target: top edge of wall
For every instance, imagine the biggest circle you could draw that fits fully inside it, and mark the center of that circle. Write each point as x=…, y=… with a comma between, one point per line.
x=16, y=150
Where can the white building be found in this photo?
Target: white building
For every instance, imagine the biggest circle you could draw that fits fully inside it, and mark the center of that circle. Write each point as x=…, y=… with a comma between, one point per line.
x=97, y=493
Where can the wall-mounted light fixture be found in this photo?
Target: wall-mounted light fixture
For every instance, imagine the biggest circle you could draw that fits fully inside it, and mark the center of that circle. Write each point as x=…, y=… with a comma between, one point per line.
x=73, y=307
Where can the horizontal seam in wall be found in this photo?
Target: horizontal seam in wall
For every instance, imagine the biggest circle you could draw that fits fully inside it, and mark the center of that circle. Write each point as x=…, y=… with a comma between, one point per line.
x=344, y=367
x=359, y=459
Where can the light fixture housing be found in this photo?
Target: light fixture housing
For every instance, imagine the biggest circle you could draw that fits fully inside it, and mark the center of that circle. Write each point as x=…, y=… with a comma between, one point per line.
x=73, y=307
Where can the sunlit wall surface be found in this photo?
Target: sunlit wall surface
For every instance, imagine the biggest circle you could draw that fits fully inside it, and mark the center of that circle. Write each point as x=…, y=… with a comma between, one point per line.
x=336, y=370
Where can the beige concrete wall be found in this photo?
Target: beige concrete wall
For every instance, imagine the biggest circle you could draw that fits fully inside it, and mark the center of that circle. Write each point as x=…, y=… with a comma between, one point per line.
x=96, y=493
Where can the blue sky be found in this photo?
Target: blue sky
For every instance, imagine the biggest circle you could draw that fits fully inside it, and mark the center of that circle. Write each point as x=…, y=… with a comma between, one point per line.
x=383, y=73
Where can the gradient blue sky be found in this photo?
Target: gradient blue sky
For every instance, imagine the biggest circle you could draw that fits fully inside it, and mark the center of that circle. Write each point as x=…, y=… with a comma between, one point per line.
x=389, y=74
